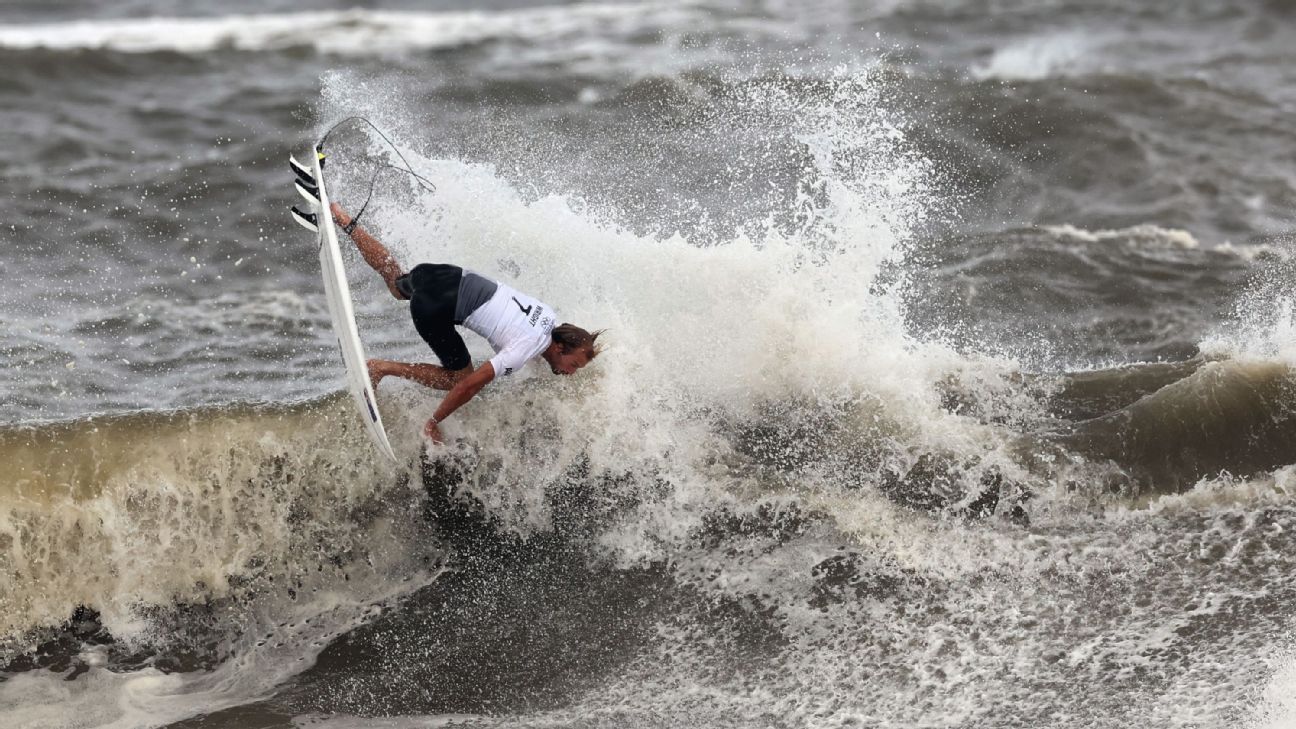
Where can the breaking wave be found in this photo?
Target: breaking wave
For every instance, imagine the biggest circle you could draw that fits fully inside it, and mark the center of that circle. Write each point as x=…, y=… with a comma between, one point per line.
x=354, y=32
x=771, y=478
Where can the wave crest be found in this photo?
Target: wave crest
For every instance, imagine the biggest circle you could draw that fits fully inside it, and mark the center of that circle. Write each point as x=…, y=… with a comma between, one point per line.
x=347, y=32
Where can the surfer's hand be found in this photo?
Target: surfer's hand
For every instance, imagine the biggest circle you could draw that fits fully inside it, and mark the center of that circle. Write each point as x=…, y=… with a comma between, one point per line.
x=432, y=431
x=339, y=215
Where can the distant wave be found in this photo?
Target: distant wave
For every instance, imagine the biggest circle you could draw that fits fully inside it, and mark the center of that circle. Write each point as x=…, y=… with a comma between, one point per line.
x=1033, y=59
x=349, y=32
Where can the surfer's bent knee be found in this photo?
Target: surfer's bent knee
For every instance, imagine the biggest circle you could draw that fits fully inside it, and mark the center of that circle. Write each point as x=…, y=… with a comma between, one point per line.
x=394, y=277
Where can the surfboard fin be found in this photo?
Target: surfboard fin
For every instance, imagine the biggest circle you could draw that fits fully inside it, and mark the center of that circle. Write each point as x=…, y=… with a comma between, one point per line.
x=302, y=173
x=309, y=192
x=309, y=221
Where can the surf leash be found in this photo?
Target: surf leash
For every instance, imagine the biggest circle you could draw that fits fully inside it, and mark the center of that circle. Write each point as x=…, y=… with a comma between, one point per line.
x=383, y=167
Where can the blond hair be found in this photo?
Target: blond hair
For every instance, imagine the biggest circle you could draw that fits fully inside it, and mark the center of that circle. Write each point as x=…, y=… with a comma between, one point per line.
x=571, y=337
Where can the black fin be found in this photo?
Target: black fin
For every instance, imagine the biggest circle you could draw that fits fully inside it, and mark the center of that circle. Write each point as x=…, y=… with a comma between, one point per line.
x=302, y=173
x=310, y=192
x=309, y=221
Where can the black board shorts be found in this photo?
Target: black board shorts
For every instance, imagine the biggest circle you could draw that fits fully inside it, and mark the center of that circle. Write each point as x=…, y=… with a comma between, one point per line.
x=433, y=291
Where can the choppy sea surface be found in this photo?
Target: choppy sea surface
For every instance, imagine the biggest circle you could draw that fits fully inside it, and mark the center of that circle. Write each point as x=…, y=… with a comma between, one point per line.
x=948, y=381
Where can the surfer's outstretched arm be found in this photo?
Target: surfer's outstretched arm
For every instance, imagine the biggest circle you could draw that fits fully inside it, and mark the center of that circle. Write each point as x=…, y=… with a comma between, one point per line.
x=465, y=390
x=374, y=252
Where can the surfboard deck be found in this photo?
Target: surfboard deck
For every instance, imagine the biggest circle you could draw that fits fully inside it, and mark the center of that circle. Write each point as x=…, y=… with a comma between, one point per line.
x=310, y=184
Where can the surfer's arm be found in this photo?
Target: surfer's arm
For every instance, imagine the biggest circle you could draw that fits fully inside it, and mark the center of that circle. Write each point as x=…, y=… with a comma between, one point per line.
x=465, y=390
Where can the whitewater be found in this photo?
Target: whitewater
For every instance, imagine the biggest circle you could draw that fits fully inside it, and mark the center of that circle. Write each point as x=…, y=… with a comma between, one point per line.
x=893, y=428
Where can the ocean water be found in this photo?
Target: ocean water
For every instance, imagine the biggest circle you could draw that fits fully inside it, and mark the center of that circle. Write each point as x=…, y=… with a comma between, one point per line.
x=948, y=379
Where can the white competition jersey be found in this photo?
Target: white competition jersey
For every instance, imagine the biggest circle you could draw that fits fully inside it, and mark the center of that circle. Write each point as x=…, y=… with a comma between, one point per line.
x=517, y=326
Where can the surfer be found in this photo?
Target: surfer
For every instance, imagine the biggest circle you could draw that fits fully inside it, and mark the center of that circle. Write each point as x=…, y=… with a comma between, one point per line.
x=518, y=327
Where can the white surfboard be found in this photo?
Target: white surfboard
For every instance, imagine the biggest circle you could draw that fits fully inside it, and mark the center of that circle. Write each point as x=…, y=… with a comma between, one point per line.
x=310, y=183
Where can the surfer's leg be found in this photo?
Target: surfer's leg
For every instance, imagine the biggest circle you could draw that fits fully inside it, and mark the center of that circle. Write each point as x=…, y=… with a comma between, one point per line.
x=377, y=256
x=435, y=291
x=430, y=375
x=379, y=259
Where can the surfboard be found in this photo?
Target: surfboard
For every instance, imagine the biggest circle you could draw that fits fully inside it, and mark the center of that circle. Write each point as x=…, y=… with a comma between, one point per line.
x=310, y=184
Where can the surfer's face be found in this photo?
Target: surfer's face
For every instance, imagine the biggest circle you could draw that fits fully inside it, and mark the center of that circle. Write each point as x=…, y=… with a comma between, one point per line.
x=568, y=363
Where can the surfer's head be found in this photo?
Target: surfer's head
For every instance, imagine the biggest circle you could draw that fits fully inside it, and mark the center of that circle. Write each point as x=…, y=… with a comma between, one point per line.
x=572, y=349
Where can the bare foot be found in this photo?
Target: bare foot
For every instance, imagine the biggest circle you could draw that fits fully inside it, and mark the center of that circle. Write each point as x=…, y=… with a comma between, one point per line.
x=377, y=371
x=339, y=215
